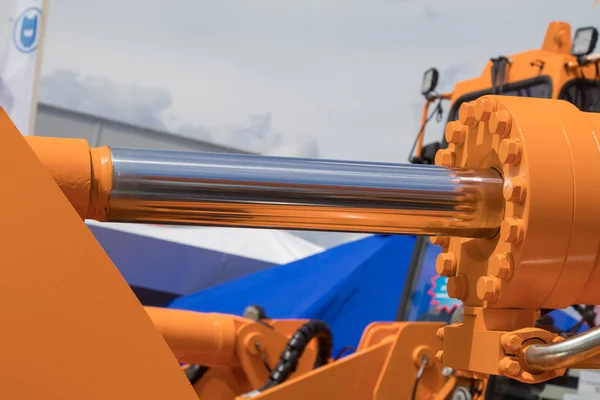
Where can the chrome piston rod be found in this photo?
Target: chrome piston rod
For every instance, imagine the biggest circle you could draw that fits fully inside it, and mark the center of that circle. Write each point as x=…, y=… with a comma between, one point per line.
x=176, y=187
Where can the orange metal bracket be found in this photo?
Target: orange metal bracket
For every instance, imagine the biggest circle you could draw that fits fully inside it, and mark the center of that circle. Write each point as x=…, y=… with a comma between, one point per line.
x=70, y=321
x=384, y=367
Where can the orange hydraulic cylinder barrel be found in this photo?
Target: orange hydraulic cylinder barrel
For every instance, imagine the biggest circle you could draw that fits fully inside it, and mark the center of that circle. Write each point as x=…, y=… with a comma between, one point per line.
x=198, y=338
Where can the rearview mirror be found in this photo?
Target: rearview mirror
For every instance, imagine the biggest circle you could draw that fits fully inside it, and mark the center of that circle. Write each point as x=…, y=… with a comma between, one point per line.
x=430, y=81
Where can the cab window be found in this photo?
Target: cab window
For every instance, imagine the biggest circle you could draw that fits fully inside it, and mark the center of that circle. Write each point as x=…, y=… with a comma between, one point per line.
x=583, y=94
x=539, y=88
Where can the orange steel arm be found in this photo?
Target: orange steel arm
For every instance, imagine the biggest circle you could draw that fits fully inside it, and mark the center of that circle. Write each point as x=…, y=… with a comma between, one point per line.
x=232, y=344
x=71, y=326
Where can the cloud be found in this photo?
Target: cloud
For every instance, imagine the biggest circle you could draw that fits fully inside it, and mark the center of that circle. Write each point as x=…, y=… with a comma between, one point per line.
x=430, y=13
x=150, y=106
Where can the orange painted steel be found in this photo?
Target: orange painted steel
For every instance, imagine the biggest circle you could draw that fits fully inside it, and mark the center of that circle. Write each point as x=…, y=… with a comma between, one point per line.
x=552, y=63
x=237, y=350
x=83, y=174
x=546, y=255
x=79, y=331
x=535, y=262
x=71, y=326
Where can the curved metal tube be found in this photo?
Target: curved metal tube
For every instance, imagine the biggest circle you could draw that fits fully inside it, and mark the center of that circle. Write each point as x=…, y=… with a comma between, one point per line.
x=178, y=187
x=547, y=357
x=198, y=338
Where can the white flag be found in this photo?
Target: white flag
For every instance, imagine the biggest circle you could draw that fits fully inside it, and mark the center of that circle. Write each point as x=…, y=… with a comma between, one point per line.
x=19, y=67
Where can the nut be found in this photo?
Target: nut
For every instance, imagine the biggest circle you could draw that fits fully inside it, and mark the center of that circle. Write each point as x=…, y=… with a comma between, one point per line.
x=511, y=342
x=445, y=158
x=445, y=264
x=510, y=151
x=457, y=287
x=509, y=367
x=440, y=240
x=500, y=123
x=512, y=230
x=514, y=189
x=449, y=159
x=484, y=109
x=455, y=132
x=501, y=266
x=488, y=288
x=466, y=114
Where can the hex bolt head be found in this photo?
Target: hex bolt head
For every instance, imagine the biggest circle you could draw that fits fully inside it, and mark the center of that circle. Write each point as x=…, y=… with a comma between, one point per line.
x=511, y=342
x=514, y=189
x=466, y=114
x=457, y=287
x=455, y=132
x=510, y=151
x=509, y=367
x=484, y=109
x=439, y=240
x=445, y=158
x=488, y=288
x=445, y=264
x=501, y=265
x=500, y=123
x=512, y=230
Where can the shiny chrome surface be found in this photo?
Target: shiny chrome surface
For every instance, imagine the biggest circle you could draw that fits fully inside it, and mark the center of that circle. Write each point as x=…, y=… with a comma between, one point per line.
x=571, y=351
x=177, y=187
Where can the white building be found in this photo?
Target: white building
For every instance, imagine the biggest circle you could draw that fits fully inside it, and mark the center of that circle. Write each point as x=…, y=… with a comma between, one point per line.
x=53, y=121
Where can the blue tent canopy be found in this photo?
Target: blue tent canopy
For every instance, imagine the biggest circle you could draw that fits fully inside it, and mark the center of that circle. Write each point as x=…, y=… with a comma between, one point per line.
x=348, y=287
x=159, y=271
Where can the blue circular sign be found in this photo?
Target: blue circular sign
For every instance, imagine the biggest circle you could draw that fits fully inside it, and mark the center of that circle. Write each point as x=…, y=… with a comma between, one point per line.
x=26, y=30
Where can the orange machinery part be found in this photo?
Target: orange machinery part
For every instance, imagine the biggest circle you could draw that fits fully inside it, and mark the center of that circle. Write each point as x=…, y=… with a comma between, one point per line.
x=547, y=252
x=546, y=255
x=236, y=349
x=71, y=326
x=84, y=174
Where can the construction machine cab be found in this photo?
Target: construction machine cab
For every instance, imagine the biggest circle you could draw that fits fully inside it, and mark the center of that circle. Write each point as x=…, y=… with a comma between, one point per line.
x=563, y=68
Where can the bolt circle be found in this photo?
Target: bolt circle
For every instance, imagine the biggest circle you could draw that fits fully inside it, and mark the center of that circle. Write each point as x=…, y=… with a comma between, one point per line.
x=488, y=288
x=514, y=189
x=457, y=287
x=445, y=264
x=455, y=132
x=511, y=230
x=501, y=266
x=510, y=151
x=439, y=240
x=466, y=114
x=484, y=109
x=500, y=123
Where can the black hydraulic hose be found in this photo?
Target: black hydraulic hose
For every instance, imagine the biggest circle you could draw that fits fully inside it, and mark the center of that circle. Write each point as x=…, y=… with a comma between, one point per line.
x=195, y=372
x=288, y=361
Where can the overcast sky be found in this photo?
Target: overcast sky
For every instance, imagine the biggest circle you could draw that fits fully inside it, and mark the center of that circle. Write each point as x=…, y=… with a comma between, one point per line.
x=334, y=78
x=327, y=78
